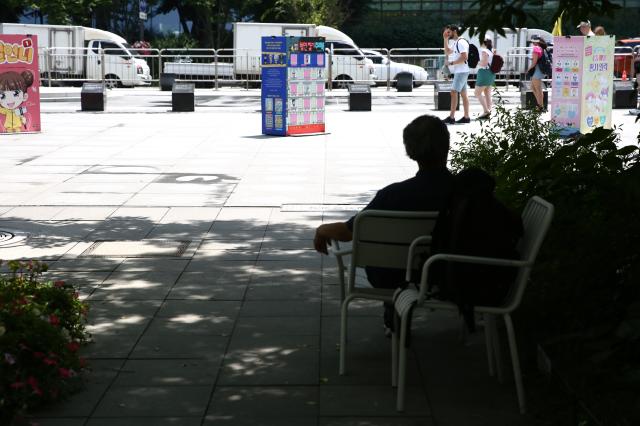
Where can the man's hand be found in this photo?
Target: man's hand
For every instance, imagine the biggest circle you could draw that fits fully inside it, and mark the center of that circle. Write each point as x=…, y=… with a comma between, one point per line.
x=330, y=231
x=321, y=240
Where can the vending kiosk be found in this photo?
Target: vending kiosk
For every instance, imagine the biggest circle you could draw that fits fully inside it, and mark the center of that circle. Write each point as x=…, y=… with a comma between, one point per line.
x=293, y=80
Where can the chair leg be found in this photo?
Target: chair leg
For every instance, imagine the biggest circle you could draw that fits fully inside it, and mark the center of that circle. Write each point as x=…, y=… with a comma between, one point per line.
x=394, y=351
x=343, y=334
x=402, y=362
x=488, y=340
x=516, y=363
x=341, y=270
x=497, y=349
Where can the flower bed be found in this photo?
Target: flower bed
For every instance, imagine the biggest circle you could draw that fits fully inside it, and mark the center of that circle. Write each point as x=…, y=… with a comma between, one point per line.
x=42, y=327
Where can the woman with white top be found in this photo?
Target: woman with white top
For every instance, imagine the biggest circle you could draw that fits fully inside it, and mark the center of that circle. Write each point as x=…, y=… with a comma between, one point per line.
x=485, y=78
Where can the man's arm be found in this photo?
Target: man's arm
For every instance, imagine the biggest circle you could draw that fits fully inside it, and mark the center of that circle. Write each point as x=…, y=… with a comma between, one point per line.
x=331, y=231
x=461, y=60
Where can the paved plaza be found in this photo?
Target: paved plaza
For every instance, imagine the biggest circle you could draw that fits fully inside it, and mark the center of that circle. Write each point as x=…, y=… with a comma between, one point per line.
x=190, y=236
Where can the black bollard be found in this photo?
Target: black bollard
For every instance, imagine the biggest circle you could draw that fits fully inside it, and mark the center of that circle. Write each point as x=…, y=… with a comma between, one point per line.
x=93, y=97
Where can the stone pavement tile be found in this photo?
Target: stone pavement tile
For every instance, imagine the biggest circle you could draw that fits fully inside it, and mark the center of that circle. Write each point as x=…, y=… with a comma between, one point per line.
x=111, y=345
x=138, y=285
x=273, y=242
x=306, y=255
x=307, y=263
x=177, y=200
x=86, y=264
x=84, y=213
x=280, y=308
x=124, y=324
x=230, y=245
x=149, y=214
x=144, y=421
x=277, y=326
x=245, y=234
x=244, y=214
x=66, y=421
x=179, y=231
x=230, y=270
x=32, y=213
x=271, y=360
x=122, y=229
x=284, y=275
x=190, y=324
x=82, y=404
x=223, y=311
x=371, y=401
x=187, y=188
x=105, y=309
x=283, y=291
x=195, y=216
x=226, y=255
x=202, y=290
x=377, y=421
x=156, y=265
x=135, y=290
x=79, y=199
x=168, y=372
x=179, y=345
x=45, y=249
x=263, y=405
x=161, y=401
x=77, y=278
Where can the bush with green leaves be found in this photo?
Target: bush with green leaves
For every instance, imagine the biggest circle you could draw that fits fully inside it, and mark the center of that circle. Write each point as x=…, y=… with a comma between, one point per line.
x=42, y=328
x=584, y=299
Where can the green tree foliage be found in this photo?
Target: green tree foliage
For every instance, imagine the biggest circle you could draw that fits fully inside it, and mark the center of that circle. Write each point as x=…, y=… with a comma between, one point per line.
x=320, y=12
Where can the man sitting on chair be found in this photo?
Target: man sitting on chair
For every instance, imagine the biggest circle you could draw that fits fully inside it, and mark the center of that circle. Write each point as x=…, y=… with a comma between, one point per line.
x=426, y=141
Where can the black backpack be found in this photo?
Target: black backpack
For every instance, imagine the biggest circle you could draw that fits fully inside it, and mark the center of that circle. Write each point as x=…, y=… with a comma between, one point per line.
x=545, y=63
x=473, y=57
x=474, y=223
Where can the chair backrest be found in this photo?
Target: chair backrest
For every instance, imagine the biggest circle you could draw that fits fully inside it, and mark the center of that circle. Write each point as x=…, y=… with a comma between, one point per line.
x=536, y=219
x=381, y=238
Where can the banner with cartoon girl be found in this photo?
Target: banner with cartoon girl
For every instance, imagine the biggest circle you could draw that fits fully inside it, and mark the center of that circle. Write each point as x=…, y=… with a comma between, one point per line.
x=19, y=84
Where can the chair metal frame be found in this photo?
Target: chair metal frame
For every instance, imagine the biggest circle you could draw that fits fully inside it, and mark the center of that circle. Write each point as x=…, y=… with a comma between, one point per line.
x=381, y=238
x=536, y=218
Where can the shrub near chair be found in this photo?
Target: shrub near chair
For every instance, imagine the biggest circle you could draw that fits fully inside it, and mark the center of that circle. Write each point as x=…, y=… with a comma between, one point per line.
x=381, y=238
x=536, y=219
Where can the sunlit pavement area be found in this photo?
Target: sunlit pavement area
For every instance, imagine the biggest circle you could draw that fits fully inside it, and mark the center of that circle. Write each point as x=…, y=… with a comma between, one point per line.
x=190, y=236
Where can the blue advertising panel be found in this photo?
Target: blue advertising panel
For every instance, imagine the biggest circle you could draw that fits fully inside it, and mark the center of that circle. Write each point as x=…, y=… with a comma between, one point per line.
x=293, y=82
x=274, y=85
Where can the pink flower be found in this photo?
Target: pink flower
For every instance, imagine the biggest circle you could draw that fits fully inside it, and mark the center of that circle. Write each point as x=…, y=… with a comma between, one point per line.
x=54, y=320
x=65, y=373
x=58, y=283
x=49, y=361
x=38, y=354
x=9, y=359
x=16, y=385
x=73, y=346
x=33, y=382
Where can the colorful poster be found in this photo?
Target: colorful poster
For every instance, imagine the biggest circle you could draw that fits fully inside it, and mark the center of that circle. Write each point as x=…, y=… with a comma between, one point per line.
x=597, y=85
x=582, y=82
x=19, y=84
x=274, y=85
x=566, y=81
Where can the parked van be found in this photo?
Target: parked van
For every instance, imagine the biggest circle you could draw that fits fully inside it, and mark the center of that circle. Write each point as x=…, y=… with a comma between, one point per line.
x=349, y=62
x=75, y=53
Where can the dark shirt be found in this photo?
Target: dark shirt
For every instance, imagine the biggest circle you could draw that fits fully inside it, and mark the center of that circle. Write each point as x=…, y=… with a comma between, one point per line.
x=428, y=190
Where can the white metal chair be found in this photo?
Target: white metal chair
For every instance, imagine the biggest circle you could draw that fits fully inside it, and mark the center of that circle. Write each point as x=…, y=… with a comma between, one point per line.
x=381, y=238
x=536, y=219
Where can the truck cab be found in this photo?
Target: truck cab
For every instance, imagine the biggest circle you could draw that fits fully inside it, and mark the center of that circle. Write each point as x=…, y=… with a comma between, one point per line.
x=114, y=62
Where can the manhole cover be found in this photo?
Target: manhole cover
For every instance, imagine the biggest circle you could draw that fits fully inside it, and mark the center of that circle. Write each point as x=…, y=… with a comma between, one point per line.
x=143, y=248
x=12, y=238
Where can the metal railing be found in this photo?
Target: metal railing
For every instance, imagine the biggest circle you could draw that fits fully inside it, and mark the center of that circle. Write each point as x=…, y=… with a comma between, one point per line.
x=216, y=68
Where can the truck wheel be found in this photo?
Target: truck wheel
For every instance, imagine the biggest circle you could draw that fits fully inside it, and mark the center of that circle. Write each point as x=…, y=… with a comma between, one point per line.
x=342, y=82
x=112, y=81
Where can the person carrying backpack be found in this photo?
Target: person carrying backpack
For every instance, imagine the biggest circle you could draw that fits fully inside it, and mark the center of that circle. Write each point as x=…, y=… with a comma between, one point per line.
x=457, y=52
x=485, y=78
x=539, y=69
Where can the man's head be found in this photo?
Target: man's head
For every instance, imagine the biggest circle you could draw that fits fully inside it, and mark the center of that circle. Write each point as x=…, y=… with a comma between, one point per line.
x=584, y=27
x=454, y=30
x=426, y=141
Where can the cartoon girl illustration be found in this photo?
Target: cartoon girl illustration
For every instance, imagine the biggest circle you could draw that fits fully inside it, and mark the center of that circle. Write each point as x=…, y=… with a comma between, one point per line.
x=13, y=94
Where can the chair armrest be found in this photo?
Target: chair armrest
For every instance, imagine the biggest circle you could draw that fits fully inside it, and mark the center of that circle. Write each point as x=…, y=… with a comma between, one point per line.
x=335, y=250
x=464, y=259
x=419, y=240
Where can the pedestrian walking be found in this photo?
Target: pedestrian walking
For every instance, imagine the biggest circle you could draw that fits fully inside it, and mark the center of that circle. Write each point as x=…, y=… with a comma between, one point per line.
x=538, y=69
x=585, y=28
x=485, y=79
x=457, y=52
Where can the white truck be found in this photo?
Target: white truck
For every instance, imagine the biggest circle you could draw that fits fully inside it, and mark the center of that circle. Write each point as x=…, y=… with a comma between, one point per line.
x=72, y=54
x=243, y=62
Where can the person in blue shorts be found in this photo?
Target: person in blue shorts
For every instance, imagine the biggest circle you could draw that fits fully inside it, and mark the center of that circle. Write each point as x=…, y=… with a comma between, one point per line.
x=457, y=51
